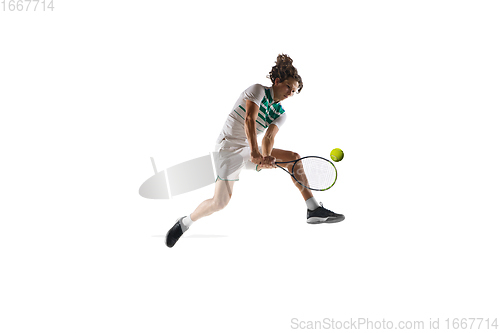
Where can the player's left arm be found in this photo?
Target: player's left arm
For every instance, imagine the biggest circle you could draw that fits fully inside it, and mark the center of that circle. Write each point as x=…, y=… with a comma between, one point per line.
x=268, y=140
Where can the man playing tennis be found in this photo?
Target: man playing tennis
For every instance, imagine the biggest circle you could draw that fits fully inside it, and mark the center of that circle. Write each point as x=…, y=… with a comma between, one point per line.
x=258, y=110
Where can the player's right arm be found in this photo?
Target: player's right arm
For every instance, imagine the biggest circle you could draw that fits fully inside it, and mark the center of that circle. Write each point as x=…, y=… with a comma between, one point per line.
x=250, y=131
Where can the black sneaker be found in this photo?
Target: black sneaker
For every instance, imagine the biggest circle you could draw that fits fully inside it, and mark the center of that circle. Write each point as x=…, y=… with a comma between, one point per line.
x=175, y=233
x=323, y=215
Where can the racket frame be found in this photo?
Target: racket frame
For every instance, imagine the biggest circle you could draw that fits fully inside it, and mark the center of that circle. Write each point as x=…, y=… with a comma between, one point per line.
x=302, y=158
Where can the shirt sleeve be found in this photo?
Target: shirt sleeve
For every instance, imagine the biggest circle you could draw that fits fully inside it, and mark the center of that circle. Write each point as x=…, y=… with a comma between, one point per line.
x=254, y=94
x=280, y=120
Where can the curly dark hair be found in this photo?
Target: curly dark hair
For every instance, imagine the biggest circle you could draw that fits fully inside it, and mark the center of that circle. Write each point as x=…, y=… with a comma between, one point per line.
x=284, y=70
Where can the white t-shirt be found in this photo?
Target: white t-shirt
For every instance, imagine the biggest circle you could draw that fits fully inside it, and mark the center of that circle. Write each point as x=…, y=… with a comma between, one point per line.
x=270, y=112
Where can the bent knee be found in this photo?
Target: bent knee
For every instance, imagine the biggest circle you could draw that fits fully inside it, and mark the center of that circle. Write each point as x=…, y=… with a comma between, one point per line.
x=295, y=156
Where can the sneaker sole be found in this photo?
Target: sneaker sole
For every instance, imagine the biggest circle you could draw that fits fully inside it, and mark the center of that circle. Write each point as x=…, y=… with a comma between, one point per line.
x=318, y=220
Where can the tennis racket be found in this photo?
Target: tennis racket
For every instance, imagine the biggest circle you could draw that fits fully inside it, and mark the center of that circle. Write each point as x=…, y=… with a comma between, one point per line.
x=313, y=172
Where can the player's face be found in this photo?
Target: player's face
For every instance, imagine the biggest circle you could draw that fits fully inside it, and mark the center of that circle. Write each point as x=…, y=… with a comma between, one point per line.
x=285, y=89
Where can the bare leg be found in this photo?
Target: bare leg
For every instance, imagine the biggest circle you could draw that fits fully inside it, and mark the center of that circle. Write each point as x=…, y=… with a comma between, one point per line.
x=286, y=155
x=222, y=195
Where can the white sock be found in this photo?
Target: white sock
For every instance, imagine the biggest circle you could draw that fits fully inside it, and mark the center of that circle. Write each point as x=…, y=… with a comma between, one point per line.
x=187, y=221
x=311, y=203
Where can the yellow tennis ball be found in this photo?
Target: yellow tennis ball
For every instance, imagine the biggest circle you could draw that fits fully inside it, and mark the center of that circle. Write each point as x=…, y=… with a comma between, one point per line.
x=337, y=155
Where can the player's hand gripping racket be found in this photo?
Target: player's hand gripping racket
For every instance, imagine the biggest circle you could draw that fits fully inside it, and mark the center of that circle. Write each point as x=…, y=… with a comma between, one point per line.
x=313, y=172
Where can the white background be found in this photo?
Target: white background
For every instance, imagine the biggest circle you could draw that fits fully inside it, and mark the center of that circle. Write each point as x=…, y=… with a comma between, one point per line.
x=89, y=92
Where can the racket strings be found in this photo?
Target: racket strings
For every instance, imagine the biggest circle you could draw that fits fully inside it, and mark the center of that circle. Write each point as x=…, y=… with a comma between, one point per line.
x=315, y=173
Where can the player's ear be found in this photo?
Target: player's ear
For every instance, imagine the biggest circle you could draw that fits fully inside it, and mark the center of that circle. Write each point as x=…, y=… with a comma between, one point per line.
x=276, y=81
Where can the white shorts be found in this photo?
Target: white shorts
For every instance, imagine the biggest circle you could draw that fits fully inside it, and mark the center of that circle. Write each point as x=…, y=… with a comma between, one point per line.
x=231, y=157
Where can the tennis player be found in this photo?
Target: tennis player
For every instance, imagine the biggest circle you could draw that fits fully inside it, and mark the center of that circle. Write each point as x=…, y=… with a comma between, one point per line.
x=257, y=111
